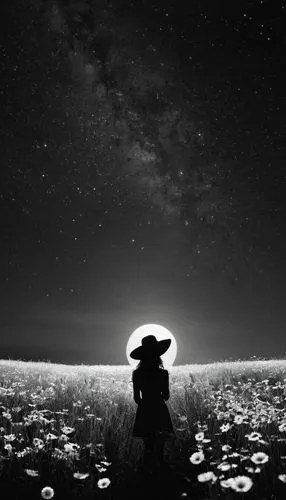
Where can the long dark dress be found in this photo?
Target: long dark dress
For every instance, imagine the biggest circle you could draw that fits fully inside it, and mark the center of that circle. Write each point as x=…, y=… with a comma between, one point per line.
x=152, y=415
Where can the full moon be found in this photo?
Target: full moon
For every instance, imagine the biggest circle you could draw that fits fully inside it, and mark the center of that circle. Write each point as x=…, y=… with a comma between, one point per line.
x=161, y=333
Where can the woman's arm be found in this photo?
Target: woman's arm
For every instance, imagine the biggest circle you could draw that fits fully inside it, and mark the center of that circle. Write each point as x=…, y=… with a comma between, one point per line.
x=165, y=391
x=136, y=390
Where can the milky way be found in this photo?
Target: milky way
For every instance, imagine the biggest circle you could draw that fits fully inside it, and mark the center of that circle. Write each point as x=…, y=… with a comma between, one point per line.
x=153, y=150
x=147, y=138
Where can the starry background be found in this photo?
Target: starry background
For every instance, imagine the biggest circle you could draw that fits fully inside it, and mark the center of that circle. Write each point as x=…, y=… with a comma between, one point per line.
x=142, y=178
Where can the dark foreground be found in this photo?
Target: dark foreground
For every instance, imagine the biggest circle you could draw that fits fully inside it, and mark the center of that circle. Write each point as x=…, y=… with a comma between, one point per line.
x=164, y=483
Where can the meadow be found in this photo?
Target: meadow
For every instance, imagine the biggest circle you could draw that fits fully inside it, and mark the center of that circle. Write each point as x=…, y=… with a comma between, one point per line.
x=66, y=432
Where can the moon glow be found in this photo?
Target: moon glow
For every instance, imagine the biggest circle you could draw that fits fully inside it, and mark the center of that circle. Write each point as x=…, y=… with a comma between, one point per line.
x=161, y=333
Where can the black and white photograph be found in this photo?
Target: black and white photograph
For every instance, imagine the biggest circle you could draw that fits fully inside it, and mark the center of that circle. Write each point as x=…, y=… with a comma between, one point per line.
x=143, y=250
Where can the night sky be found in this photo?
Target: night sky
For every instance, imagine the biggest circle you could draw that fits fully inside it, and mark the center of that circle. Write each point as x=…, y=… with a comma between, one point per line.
x=143, y=178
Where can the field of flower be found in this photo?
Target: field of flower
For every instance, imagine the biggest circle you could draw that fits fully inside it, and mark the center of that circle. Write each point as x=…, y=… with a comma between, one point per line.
x=65, y=432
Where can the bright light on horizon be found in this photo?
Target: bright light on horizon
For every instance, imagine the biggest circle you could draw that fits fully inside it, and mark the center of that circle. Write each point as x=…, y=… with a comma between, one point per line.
x=161, y=333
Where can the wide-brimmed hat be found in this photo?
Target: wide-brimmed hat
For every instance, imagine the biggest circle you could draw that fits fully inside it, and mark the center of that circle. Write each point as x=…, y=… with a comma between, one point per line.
x=150, y=345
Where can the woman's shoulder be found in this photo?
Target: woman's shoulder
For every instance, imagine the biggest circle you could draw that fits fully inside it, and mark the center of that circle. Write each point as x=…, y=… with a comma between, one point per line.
x=140, y=373
x=136, y=373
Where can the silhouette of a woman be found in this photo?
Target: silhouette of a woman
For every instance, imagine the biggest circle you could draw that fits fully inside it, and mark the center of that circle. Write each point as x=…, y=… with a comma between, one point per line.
x=152, y=422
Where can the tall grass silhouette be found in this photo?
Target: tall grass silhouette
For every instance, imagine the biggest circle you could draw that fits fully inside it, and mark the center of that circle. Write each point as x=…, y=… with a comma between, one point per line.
x=65, y=431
